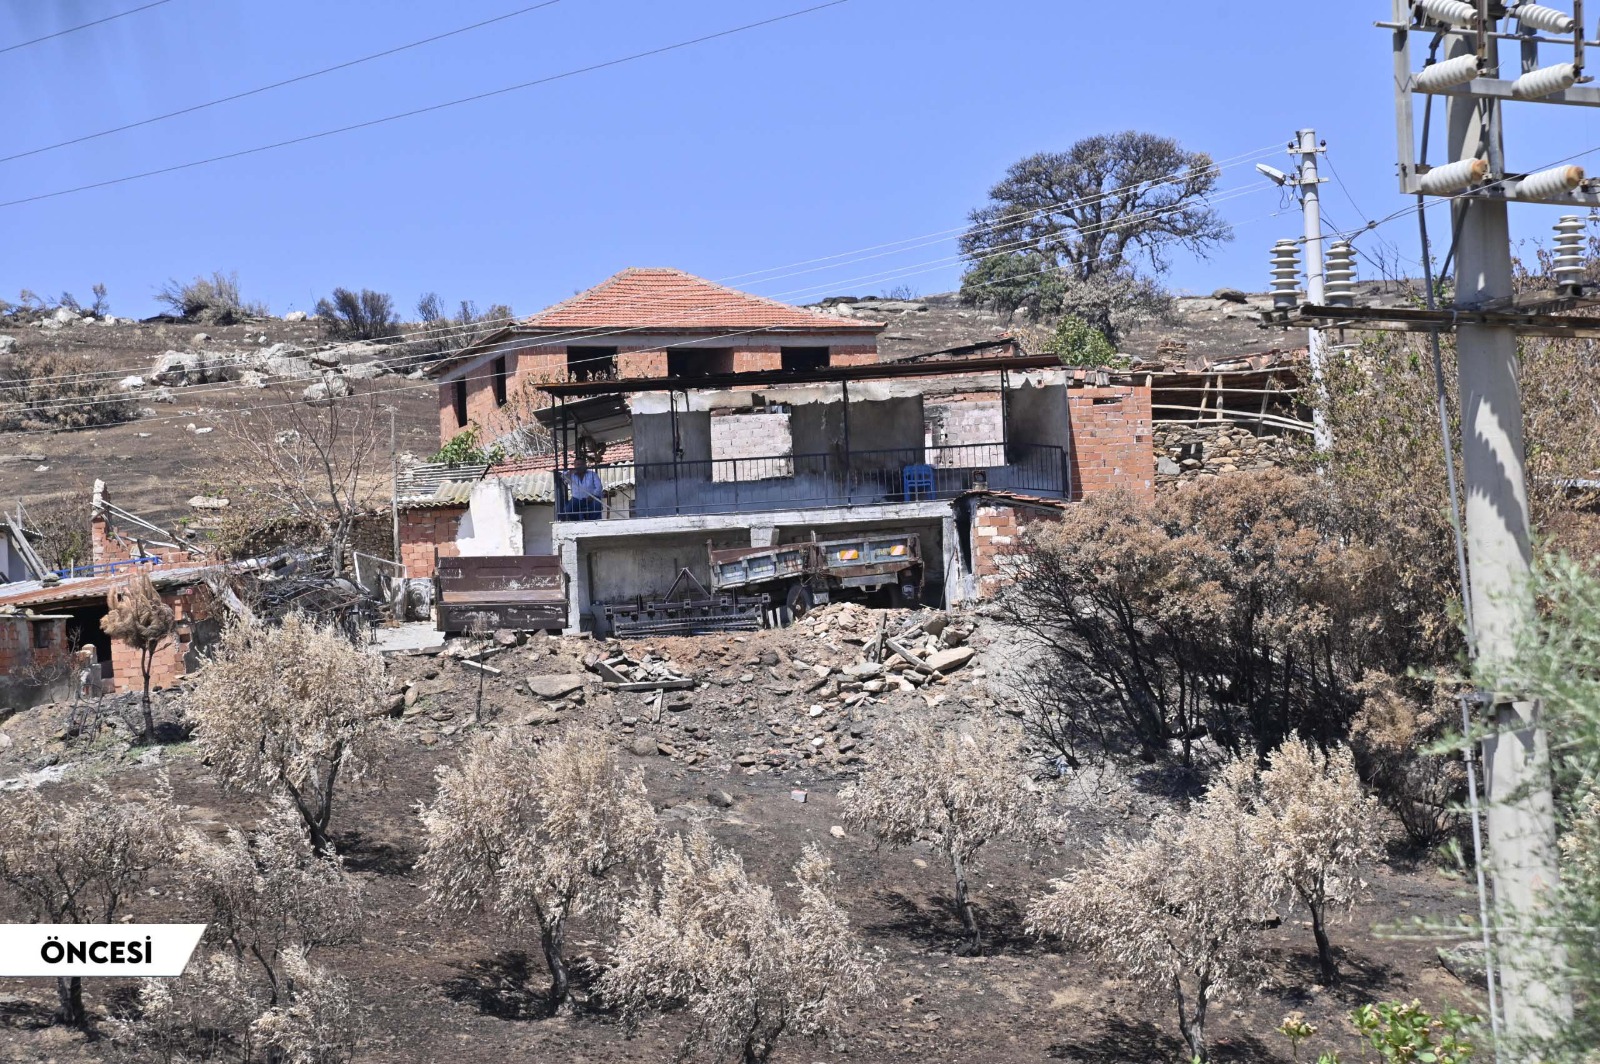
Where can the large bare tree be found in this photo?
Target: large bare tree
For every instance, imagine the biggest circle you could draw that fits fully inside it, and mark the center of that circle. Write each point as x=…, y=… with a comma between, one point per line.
x=1066, y=232
x=309, y=462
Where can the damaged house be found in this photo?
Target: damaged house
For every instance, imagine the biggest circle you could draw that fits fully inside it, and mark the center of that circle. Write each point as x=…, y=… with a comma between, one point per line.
x=714, y=419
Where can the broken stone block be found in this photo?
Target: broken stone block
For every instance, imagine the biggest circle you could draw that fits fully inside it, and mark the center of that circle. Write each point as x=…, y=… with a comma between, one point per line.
x=555, y=686
x=720, y=799
x=949, y=660
x=643, y=746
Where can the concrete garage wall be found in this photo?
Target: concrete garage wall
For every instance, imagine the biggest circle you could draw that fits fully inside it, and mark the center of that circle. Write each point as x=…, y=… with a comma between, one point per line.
x=622, y=570
x=537, y=520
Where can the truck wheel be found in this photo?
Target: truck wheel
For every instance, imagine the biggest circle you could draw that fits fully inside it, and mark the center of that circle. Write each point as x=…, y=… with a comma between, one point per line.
x=797, y=604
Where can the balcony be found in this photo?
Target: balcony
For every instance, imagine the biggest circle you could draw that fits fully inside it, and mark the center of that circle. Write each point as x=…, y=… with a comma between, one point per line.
x=827, y=480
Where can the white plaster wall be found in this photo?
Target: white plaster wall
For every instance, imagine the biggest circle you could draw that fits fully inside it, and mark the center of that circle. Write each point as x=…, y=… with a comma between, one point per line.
x=490, y=527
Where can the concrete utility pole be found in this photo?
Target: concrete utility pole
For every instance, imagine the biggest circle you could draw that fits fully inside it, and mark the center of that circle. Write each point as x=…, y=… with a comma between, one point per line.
x=1311, y=210
x=1522, y=837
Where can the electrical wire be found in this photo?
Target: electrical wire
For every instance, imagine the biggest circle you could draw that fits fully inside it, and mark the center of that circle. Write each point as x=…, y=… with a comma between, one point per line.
x=431, y=108
x=913, y=269
x=84, y=26
x=276, y=84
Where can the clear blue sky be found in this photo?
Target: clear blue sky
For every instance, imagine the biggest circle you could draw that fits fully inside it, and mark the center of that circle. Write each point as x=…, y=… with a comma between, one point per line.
x=873, y=121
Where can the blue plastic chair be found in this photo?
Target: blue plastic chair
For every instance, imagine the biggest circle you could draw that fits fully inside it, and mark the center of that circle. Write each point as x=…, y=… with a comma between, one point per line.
x=918, y=480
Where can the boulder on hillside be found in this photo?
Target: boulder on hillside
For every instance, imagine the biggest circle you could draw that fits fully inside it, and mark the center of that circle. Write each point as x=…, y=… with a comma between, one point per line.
x=286, y=360
x=130, y=384
x=329, y=388
x=365, y=371
x=296, y=315
x=177, y=368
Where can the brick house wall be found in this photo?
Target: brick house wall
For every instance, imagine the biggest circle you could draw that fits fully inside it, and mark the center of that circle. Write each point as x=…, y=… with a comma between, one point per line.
x=1111, y=437
x=425, y=531
x=23, y=662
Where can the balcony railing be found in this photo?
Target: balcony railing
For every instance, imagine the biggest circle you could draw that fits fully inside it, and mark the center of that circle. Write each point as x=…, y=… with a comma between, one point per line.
x=808, y=481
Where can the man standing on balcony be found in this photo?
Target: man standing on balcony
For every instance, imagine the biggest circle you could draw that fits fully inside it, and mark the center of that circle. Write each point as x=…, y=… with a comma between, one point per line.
x=585, y=493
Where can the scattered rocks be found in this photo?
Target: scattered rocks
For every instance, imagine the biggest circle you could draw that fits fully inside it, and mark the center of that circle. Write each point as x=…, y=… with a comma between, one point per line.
x=555, y=686
x=643, y=746
x=720, y=799
x=949, y=660
x=331, y=387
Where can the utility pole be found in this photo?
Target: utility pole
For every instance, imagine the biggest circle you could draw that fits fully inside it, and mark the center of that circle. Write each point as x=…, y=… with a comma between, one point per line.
x=1521, y=812
x=1311, y=210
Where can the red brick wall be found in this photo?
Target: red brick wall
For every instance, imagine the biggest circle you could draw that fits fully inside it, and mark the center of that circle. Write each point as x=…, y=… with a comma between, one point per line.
x=189, y=605
x=422, y=532
x=17, y=652
x=107, y=544
x=641, y=363
x=1111, y=435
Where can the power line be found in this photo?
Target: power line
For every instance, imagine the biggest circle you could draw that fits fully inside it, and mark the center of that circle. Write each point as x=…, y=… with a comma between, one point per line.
x=912, y=269
x=566, y=338
x=431, y=108
x=85, y=26
x=276, y=84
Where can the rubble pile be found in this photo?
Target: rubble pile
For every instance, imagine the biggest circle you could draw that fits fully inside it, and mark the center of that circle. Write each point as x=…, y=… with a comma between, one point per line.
x=800, y=699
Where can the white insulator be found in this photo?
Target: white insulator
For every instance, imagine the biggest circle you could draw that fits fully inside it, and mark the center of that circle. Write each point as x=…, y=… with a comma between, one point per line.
x=1339, y=275
x=1548, y=184
x=1285, y=273
x=1546, y=81
x=1453, y=177
x=1568, y=265
x=1452, y=11
x=1457, y=71
x=1544, y=18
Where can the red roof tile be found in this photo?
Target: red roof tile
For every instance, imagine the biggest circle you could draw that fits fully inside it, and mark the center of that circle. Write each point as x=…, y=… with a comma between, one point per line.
x=663, y=298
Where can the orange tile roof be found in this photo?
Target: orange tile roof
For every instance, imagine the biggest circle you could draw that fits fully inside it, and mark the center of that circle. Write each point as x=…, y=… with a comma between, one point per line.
x=661, y=298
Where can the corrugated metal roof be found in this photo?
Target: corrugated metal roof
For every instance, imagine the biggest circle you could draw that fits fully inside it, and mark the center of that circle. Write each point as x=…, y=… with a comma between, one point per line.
x=36, y=592
x=532, y=487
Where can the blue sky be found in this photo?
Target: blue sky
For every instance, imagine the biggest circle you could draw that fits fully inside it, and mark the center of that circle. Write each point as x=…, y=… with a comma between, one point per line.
x=869, y=122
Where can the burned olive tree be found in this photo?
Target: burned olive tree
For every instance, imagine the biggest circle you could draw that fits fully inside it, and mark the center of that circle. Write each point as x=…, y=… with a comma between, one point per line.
x=536, y=833
x=748, y=970
x=80, y=862
x=140, y=619
x=288, y=710
x=957, y=789
x=1242, y=609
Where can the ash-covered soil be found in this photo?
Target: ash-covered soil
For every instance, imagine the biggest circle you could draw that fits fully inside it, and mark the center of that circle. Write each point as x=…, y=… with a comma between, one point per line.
x=735, y=752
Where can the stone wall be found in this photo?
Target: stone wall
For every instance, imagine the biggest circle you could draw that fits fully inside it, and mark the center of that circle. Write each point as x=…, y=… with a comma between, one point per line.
x=1191, y=451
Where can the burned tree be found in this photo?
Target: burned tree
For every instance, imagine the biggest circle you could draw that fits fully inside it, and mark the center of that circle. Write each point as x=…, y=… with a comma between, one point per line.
x=536, y=833
x=310, y=467
x=288, y=710
x=955, y=789
x=143, y=622
x=748, y=971
x=79, y=862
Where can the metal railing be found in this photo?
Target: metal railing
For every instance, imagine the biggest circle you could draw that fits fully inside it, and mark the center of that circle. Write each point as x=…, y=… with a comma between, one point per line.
x=829, y=479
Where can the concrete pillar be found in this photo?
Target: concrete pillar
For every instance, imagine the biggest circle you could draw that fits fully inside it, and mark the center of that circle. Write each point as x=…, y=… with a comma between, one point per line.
x=577, y=575
x=763, y=536
x=956, y=590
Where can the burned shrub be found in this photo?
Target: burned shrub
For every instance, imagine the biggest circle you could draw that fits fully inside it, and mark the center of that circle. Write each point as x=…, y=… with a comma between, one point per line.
x=58, y=390
x=213, y=300
x=367, y=315
x=1241, y=611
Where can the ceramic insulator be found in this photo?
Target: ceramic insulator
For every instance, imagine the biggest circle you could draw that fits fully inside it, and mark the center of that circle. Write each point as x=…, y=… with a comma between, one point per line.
x=1568, y=266
x=1550, y=183
x=1544, y=18
x=1452, y=11
x=1546, y=81
x=1285, y=273
x=1457, y=71
x=1453, y=177
x=1339, y=275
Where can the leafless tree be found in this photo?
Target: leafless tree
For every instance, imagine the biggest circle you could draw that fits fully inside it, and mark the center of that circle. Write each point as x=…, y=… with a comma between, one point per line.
x=319, y=1025
x=1177, y=911
x=1315, y=827
x=288, y=710
x=314, y=463
x=79, y=862
x=271, y=894
x=955, y=788
x=141, y=620
x=747, y=971
x=537, y=833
